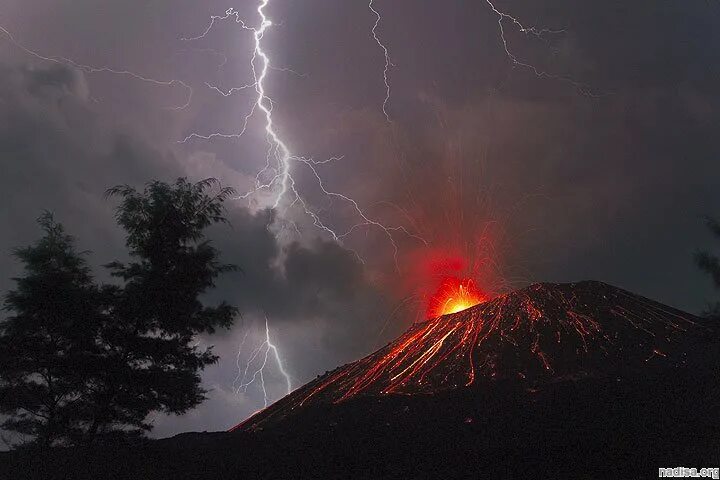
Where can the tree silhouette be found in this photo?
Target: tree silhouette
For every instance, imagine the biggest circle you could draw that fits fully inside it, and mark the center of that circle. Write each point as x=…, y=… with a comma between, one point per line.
x=47, y=343
x=83, y=363
x=710, y=264
x=153, y=364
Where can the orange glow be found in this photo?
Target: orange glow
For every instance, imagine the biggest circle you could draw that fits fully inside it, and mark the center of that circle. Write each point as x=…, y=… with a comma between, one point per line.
x=446, y=281
x=454, y=295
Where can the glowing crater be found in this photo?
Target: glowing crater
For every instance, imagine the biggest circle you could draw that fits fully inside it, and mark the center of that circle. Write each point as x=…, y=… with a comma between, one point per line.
x=454, y=295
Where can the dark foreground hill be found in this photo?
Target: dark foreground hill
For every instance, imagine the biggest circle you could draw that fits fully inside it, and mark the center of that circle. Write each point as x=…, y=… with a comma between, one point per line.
x=553, y=381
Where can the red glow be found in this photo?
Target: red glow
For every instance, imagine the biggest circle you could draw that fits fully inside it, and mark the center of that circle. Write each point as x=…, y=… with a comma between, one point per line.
x=445, y=281
x=454, y=295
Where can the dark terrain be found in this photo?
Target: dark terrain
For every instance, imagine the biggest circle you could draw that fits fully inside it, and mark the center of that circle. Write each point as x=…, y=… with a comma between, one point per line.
x=553, y=381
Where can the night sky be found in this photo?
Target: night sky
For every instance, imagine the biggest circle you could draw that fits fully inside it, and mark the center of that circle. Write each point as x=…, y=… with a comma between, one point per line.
x=600, y=167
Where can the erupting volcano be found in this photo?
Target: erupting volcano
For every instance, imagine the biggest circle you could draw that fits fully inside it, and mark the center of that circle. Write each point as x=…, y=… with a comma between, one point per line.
x=538, y=335
x=454, y=295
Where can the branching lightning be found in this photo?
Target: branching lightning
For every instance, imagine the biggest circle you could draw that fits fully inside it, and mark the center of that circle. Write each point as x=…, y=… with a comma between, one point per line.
x=537, y=32
x=259, y=357
x=230, y=12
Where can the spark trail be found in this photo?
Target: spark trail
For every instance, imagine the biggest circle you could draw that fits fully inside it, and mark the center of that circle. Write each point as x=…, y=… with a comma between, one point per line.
x=260, y=354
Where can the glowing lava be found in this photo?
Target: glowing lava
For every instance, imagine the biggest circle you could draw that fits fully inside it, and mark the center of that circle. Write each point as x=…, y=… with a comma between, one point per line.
x=448, y=282
x=454, y=295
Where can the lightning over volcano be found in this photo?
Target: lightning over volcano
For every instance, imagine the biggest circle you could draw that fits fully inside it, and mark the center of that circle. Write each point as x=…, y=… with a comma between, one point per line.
x=419, y=190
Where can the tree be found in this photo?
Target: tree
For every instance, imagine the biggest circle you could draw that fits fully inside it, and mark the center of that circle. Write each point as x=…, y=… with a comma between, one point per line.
x=152, y=364
x=82, y=363
x=710, y=264
x=47, y=343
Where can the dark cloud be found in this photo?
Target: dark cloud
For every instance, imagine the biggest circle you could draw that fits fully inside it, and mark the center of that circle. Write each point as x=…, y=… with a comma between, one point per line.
x=295, y=282
x=57, y=153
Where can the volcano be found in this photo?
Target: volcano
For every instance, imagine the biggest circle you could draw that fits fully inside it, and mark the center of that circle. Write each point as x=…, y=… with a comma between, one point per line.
x=538, y=335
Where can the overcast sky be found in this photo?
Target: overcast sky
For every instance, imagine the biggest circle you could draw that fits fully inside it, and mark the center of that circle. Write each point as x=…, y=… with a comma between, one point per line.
x=599, y=167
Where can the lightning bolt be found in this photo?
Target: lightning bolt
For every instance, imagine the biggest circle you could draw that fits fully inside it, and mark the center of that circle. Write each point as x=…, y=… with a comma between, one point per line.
x=386, y=54
x=259, y=355
x=276, y=176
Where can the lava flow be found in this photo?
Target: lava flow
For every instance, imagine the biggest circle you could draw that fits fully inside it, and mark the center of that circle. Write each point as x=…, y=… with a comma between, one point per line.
x=539, y=334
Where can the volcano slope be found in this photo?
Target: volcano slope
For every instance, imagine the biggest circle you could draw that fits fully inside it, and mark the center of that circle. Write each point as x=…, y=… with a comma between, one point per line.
x=579, y=380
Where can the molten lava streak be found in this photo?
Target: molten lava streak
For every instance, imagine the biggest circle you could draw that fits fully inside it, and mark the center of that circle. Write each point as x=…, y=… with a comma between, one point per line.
x=454, y=295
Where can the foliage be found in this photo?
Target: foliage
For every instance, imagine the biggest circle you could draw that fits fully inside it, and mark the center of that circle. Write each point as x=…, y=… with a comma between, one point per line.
x=48, y=340
x=83, y=362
